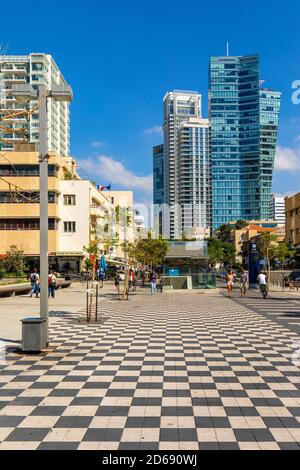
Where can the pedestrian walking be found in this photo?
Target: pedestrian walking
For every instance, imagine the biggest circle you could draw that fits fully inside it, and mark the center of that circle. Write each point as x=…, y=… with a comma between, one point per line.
x=131, y=279
x=161, y=283
x=117, y=281
x=35, y=283
x=101, y=277
x=153, y=281
x=143, y=278
x=52, y=282
x=230, y=282
x=244, y=283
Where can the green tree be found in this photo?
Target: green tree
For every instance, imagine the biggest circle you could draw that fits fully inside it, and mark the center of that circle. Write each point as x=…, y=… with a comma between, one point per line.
x=241, y=224
x=268, y=248
x=215, y=251
x=148, y=251
x=229, y=254
x=224, y=233
x=221, y=252
x=13, y=262
x=284, y=252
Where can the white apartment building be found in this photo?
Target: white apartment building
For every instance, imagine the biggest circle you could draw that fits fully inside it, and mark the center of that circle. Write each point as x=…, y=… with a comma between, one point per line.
x=186, y=165
x=82, y=208
x=194, y=177
x=277, y=208
x=35, y=69
x=123, y=224
x=139, y=220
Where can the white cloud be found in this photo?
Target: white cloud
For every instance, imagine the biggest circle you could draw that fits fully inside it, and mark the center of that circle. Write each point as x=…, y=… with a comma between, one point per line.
x=153, y=131
x=114, y=172
x=287, y=159
x=97, y=144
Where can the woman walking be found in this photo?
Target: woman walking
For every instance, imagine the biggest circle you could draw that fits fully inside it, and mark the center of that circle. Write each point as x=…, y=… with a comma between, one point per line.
x=153, y=280
x=117, y=281
x=244, y=283
x=230, y=281
x=52, y=284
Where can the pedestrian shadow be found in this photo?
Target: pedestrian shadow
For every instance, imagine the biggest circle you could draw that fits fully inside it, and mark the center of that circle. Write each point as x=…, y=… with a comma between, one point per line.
x=5, y=340
x=62, y=314
x=291, y=314
x=100, y=321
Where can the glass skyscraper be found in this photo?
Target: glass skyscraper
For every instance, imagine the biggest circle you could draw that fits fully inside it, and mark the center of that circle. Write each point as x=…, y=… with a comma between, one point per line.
x=158, y=175
x=244, y=125
x=158, y=186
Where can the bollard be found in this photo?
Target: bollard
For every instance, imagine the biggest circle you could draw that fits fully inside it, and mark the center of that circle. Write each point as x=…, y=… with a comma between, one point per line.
x=97, y=293
x=87, y=301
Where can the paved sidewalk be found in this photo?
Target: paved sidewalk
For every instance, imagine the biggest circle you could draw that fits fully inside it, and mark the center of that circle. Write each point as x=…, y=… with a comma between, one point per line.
x=170, y=372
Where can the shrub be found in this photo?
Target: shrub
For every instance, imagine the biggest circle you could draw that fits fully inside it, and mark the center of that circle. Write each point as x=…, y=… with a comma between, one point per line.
x=2, y=273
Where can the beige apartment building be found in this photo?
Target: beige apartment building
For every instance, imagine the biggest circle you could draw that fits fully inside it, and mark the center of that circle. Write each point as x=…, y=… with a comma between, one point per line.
x=76, y=210
x=240, y=238
x=292, y=212
x=19, y=199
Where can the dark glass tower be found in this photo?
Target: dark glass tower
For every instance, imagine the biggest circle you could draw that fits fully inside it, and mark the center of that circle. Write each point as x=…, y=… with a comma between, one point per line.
x=158, y=175
x=244, y=125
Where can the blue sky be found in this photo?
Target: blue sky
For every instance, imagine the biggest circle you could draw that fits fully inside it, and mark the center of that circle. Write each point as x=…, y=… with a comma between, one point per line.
x=122, y=56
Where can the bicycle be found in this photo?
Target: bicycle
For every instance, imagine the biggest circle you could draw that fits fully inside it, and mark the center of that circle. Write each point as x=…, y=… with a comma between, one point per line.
x=264, y=290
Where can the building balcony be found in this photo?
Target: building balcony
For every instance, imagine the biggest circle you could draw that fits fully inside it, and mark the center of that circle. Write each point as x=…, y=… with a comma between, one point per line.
x=97, y=212
x=14, y=79
x=28, y=183
x=26, y=210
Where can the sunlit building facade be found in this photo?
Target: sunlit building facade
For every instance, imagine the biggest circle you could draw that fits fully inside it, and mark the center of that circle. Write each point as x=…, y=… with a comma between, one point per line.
x=244, y=125
x=17, y=126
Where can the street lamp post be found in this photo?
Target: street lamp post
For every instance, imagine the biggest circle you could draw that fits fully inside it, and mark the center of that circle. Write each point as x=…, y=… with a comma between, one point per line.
x=27, y=93
x=43, y=162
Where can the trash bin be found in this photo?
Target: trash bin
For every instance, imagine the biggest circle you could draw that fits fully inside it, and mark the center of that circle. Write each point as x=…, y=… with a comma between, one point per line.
x=34, y=334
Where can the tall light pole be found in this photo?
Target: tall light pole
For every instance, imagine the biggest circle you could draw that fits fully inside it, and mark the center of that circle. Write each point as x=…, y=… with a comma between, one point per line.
x=26, y=92
x=43, y=162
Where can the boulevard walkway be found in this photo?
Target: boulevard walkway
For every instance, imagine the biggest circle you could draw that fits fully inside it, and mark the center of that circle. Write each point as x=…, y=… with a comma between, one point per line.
x=177, y=371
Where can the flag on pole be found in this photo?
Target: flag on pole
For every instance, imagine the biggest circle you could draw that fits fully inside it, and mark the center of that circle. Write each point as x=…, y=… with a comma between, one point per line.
x=104, y=188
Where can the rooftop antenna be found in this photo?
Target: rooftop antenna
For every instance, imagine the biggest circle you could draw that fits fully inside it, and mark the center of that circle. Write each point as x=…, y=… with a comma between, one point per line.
x=227, y=48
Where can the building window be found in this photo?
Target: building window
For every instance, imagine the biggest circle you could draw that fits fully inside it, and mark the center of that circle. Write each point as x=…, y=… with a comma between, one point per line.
x=69, y=200
x=25, y=170
x=24, y=197
x=25, y=224
x=69, y=227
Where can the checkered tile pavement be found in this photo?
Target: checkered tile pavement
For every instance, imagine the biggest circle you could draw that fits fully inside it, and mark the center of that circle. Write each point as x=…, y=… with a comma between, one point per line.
x=282, y=308
x=178, y=371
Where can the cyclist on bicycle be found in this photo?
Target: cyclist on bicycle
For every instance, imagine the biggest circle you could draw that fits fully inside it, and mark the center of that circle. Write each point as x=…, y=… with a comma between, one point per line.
x=263, y=283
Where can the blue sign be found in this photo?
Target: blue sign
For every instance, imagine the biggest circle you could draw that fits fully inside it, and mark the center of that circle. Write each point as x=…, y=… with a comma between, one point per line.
x=254, y=263
x=174, y=272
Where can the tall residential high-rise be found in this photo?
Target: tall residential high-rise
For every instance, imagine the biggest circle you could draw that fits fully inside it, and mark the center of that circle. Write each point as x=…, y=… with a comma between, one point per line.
x=194, y=176
x=35, y=69
x=277, y=208
x=179, y=108
x=244, y=124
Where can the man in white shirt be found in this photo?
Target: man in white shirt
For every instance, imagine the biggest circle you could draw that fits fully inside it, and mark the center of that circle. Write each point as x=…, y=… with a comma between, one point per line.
x=263, y=283
x=262, y=279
